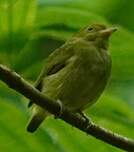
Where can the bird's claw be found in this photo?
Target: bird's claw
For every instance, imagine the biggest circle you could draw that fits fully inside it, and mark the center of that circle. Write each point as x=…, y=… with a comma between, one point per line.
x=60, y=109
x=87, y=123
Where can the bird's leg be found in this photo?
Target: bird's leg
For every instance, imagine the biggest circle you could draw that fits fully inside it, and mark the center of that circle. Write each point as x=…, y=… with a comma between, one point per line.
x=60, y=109
x=84, y=116
x=87, y=120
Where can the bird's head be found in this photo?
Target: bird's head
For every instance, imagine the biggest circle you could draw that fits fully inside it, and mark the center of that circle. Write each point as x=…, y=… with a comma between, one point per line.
x=97, y=33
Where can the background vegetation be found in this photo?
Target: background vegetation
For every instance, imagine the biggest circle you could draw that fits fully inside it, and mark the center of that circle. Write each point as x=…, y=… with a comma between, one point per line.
x=29, y=31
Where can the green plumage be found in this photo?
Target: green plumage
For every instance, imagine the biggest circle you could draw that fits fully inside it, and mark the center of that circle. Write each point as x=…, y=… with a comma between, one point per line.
x=76, y=73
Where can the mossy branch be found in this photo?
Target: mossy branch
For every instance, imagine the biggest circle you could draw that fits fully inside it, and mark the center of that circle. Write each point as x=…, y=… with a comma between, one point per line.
x=16, y=82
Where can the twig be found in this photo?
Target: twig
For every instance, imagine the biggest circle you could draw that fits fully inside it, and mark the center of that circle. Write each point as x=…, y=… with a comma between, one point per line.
x=16, y=82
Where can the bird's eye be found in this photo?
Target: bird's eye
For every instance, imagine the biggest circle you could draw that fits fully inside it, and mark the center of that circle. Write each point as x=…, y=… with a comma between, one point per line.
x=90, y=28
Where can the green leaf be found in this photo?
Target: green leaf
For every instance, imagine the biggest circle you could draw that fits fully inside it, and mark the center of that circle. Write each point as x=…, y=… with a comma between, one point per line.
x=37, y=49
x=71, y=17
x=14, y=136
x=122, y=52
x=16, y=24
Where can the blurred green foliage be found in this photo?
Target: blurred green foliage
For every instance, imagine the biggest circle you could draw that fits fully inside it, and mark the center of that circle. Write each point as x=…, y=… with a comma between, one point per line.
x=29, y=31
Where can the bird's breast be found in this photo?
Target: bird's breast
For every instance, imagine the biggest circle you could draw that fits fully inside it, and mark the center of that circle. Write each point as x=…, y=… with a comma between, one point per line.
x=81, y=82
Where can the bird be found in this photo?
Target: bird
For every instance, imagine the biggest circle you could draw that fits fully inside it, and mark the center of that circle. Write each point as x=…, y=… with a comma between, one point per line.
x=76, y=73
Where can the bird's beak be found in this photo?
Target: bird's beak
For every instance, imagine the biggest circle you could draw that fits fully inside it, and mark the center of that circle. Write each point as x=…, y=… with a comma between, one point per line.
x=107, y=32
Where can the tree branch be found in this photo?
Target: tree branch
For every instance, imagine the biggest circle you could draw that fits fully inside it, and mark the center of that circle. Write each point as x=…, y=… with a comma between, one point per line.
x=16, y=82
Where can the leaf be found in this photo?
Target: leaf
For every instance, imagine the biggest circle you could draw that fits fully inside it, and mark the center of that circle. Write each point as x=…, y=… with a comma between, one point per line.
x=122, y=52
x=16, y=24
x=37, y=49
x=14, y=136
x=67, y=16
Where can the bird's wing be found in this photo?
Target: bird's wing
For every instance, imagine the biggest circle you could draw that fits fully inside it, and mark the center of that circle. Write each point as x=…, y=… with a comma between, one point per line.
x=55, y=62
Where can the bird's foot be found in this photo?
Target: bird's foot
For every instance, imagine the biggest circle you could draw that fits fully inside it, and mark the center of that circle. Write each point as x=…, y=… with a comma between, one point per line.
x=88, y=122
x=60, y=109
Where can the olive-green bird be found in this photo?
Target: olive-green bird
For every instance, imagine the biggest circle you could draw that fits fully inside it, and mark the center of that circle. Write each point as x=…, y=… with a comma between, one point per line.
x=76, y=73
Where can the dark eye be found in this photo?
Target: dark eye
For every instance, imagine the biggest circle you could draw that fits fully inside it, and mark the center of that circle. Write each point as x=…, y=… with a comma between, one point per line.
x=90, y=28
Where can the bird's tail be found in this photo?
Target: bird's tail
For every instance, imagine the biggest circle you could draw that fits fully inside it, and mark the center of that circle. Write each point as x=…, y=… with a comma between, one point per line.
x=38, y=115
x=34, y=123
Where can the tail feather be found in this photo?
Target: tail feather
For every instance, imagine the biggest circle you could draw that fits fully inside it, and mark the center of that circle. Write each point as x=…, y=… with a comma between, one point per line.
x=34, y=123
